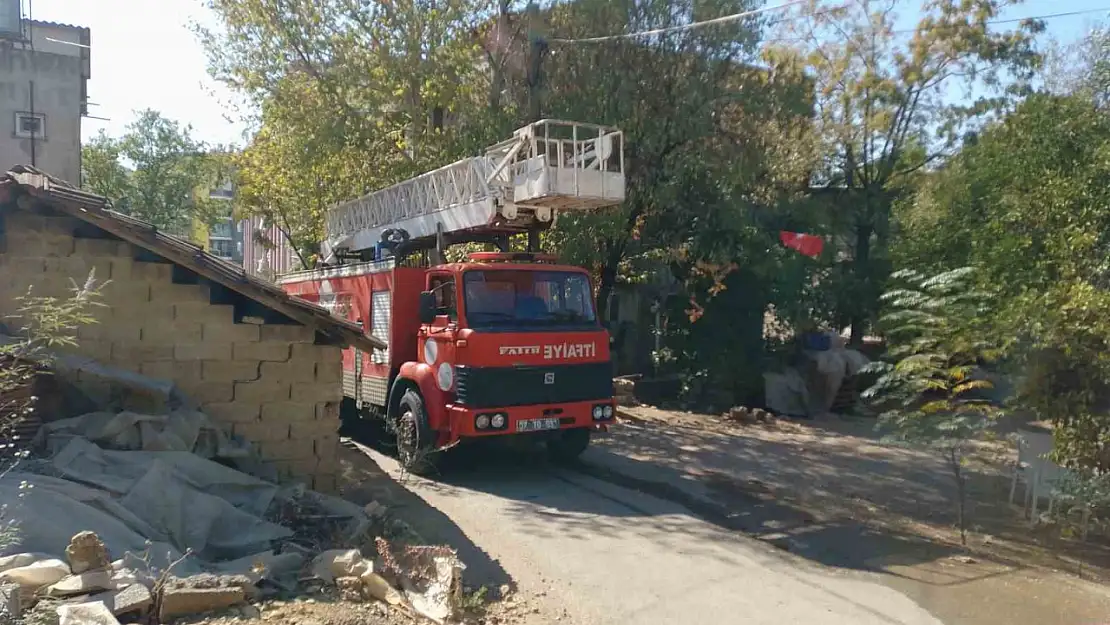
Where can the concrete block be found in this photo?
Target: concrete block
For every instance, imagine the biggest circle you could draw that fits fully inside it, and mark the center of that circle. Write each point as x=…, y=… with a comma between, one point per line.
x=205, y=350
x=132, y=599
x=288, y=412
x=316, y=353
x=11, y=265
x=231, y=332
x=152, y=272
x=270, y=352
x=230, y=370
x=233, y=411
x=208, y=392
x=132, y=354
x=77, y=268
x=290, y=371
x=314, y=393
x=325, y=444
x=327, y=410
x=204, y=312
x=327, y=464
x=169, y=331
x=262, y=390
x=329, y=372
x=261, y=432
x=287, y=449
x=116, y=331
x=40, y=244
x=122, y=267
x=149, y=313
x=96, y=349
x=125, y=293
x=301, y=430
x=177, y=602
x=179, y=293
x=182, y=372
x=287, y=333
x=100, y=248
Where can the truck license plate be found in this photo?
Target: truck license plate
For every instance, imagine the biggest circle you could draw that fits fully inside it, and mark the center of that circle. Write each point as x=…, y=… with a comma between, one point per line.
x=535, y=425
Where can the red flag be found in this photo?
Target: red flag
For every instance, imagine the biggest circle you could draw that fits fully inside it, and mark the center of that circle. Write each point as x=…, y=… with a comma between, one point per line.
x=808, y=244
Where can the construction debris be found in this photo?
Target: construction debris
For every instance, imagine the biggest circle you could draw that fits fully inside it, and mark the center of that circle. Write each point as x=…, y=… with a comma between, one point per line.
x=192, y=533
x=624, y=391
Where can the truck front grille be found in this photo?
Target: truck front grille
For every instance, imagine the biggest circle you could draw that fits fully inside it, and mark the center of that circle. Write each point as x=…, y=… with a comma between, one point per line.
x=493, y=387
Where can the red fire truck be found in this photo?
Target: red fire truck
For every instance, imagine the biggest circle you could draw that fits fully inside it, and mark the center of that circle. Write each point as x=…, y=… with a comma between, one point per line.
x=499, y=342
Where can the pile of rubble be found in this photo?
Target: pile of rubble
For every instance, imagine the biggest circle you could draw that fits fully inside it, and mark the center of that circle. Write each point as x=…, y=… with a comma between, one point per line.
x=124, y=517
x=624, y=391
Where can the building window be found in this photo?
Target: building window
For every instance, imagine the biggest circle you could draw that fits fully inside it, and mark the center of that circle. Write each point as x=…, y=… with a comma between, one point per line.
x=30, y=125
x=223, y=249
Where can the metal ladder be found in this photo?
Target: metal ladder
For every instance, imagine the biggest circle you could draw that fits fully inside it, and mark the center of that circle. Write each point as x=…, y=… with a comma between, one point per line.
x=546, y=167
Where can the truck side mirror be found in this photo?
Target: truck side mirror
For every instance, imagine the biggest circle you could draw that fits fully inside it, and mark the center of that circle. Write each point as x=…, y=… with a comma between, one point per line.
x=427, y=308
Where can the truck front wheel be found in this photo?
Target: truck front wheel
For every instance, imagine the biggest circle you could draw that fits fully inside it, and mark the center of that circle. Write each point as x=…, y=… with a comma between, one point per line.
x=415, y=440
x=568, y=444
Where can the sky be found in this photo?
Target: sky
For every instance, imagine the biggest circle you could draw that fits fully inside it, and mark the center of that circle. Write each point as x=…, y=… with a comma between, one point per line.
x=144, y=55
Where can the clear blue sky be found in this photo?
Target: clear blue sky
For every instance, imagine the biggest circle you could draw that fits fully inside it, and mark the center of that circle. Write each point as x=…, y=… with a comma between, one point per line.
x=145, y=56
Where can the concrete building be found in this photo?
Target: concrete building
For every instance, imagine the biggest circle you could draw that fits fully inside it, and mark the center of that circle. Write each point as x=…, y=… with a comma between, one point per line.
x=265, y=364
x=43, y=93
x=225, y=237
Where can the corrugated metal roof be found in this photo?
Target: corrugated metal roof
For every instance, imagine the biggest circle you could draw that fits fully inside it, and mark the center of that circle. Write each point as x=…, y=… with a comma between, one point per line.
x=94, y=210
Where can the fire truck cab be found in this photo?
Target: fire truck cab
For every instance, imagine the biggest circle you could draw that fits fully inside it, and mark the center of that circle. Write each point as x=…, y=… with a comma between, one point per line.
x=501, y=343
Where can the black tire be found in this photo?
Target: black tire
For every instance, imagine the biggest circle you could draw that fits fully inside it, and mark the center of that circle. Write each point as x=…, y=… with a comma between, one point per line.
x=415, y=440
x=568, y=445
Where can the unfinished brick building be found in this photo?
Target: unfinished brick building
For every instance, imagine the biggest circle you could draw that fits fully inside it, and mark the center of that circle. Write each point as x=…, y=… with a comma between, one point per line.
x=266, y=364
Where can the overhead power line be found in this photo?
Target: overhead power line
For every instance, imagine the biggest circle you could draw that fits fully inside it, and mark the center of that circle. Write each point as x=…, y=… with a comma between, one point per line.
x=724, y=19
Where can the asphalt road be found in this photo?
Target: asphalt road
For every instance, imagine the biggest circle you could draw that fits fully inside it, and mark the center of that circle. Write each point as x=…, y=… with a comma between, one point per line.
x=583, y=551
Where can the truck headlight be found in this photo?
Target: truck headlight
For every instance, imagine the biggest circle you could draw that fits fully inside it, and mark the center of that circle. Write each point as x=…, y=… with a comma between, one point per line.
x=482, y=421
x=598, y=412
x=498, y=421
x=608, y=412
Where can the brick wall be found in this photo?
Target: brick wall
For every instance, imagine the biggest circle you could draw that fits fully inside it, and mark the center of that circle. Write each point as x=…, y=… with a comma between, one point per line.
x=267, y=383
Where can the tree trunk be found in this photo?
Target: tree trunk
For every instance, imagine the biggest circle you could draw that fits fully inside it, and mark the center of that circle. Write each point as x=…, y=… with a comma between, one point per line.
x=961, y=494
x=605, y=288
x=861, y=267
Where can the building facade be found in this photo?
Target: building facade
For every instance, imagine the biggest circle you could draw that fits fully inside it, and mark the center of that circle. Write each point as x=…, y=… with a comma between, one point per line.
x=225, y=236
x=44, y=73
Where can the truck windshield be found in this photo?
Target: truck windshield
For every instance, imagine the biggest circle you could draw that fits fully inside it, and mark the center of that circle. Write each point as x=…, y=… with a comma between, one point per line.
x=527, y=298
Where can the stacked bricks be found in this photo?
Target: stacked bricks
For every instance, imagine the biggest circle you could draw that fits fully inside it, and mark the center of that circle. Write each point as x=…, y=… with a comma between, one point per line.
x=268, y=383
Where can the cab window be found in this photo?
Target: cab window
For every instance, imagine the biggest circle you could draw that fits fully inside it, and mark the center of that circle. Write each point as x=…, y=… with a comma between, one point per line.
x=443, y=288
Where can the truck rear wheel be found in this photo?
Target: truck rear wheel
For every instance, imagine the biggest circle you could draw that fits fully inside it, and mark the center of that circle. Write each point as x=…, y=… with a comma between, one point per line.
x=415, y=440
x=569, y=444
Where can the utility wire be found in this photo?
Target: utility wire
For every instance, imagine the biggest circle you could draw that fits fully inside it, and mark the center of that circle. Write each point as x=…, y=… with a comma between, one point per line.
x=724, y=19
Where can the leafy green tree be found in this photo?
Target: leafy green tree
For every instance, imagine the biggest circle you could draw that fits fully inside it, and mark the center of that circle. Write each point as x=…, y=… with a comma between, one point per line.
x=156, y=171
x=101, y=170
x=934, y=394
x=1024, y=204
x=1081, y=67
x=167, y=165
x=882, y=114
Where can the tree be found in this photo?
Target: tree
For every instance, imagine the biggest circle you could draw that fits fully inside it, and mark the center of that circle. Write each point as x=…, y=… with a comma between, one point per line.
x=352, y=97
x=101, y=170
x=156, y=172
x=1025, y=205
x=1081, y=67
x=168, y=165
x=882, y=113
x=934, y=394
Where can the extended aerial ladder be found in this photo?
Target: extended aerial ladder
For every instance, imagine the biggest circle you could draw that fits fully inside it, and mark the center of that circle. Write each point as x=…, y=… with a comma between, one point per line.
x=518, y=186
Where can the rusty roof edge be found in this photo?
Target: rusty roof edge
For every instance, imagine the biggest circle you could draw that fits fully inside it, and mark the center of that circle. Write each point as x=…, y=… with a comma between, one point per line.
x=92, y=209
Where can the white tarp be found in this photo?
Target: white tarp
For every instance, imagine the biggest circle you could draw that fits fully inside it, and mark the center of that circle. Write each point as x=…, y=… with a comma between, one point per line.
x=173, y=499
